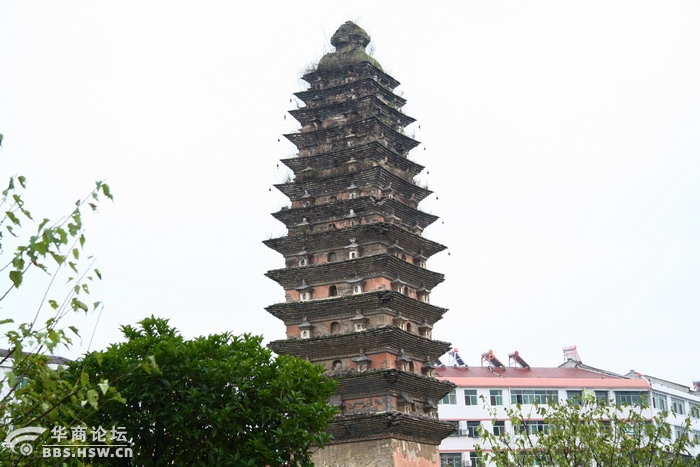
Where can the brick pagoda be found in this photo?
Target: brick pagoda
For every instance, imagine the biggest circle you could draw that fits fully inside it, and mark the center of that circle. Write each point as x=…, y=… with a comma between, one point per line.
x=356, y=284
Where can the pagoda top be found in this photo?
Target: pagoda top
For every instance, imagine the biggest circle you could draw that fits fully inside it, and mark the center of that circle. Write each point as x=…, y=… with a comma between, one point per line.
x=350, y=34
x=349, y=41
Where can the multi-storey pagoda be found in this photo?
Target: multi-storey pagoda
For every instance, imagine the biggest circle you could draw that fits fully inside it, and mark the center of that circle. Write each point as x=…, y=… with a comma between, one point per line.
x=356, y=284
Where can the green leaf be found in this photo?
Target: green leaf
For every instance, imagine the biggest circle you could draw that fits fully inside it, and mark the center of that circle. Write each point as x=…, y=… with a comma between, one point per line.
x=92, y=398
x=76, y=253
x=97, y=273
x=78, y=305
x=12, y=217
x=104, y=386
x=16, y=277
x=53, y=304
x=82, y=241
x=106, y=191
x=58, y=258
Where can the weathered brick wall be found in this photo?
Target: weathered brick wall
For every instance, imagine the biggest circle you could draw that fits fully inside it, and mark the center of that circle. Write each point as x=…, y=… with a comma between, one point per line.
x=378, y=453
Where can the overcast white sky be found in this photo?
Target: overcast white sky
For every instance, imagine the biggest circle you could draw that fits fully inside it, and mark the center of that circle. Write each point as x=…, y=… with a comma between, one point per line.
x=562, y=140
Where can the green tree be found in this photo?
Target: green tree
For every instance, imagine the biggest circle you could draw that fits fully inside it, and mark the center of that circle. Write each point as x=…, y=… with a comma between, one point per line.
x=32, y=392
x=216, y=400
x=585, y=433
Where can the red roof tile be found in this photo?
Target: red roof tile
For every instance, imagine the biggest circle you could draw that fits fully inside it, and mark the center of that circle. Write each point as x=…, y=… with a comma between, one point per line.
x=536, y=377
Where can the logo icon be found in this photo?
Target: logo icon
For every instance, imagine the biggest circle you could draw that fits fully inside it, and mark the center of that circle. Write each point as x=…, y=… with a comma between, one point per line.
x=23, y=436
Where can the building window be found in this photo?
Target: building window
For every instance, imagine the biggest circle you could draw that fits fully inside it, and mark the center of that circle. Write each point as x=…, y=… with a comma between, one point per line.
x=531, y=427
x=304, y=296
x=499, y=428
x=352, y=195
x=332, y=291
x=575, y=397
x=337, y=365
x=601, y=397
x=302, y=262
x=408, y=327
x=679, y=431
x=450, y=398
x=677, y=406
x=473, y=428
x=357, y=289
x=695, y=410
x=533, y=396
x=335, y=327
x=470, y=397
x=475, y=460
x=630, y=397
x=331, y=257
x=448, y=459
x=305, y=334
x=352, y=255
x=496, y=397
x=659, y=401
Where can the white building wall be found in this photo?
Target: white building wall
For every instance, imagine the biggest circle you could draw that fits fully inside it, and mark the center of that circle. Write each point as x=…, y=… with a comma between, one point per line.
x=464, y=444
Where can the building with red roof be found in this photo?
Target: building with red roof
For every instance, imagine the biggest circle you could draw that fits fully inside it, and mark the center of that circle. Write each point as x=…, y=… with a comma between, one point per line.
x=493, y=388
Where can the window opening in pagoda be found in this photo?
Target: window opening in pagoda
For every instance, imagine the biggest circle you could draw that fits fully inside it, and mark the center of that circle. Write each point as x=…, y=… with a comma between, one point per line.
x=304, y=296
x=331, y=256
x=357, y=289
x=335, y=327
x=352, y=255
x=302, y=262
x=331, y=226
x=332, y=291
x=408, y=327
x=337, y=365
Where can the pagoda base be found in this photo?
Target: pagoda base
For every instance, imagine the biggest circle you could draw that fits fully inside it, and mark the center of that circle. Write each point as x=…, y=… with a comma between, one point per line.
x=378, y=453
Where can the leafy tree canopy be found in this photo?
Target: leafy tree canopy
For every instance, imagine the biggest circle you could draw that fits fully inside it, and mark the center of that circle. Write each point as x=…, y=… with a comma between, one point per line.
x=32, y=391
x=216, y=400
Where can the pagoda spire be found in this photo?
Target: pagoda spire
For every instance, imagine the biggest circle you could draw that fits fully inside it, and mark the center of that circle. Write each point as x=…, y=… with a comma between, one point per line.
x=355, y=278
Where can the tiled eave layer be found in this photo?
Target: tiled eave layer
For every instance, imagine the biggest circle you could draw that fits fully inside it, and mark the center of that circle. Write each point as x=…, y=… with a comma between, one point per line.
x=396, y=425
x=384, y=339
x=358, y=70
x=388, y=234
x=367, y=105
x=372, y=151
x=363, y=206
x=293, y=313
x=383, y=265
x=368, y=127
x=361, y=87
x=391, y=381
x=373, y=176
